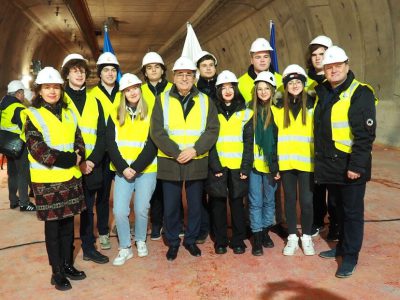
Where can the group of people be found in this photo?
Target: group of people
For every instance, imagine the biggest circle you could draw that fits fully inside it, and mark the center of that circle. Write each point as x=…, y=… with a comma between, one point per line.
x=220, y=139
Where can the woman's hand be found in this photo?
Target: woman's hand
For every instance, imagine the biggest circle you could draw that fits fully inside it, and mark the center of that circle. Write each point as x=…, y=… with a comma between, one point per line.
x=129, y=173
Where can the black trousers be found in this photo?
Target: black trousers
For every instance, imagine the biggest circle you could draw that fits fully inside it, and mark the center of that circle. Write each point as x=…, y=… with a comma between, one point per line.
x=304, y=181
x=59, y=236
x=157, y=205
x=350, y=213
x=18, y=179
x=322, y=206
x=172, y=191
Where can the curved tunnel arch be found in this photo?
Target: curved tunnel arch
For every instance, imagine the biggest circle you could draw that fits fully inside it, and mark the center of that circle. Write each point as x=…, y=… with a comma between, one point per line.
x=366, y=29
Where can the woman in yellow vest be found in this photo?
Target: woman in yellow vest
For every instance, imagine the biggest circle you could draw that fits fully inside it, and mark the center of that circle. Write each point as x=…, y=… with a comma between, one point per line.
x=155, y=72
x=56, y=179
x=133, y=157
x=230, y=163
x=293, y=115
x=265, y=168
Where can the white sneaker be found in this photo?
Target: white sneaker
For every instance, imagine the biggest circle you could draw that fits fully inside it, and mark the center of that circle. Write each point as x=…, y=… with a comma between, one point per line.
x=141, y=249
x=292, y=245
x=105, y=241
x=307, y=245
x=123, y=255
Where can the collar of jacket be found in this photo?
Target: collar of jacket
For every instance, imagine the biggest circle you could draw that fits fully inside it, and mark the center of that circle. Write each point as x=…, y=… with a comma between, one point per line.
x=174, y=92
x=7, y=101
x=325, y=87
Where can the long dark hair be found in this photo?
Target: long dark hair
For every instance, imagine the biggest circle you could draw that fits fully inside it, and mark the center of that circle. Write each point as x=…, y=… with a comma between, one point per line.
x=286, y=99
x=237, y=98
x=310, y=51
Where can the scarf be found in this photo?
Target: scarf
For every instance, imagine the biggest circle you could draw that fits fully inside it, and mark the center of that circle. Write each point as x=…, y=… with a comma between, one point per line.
x=264, y=138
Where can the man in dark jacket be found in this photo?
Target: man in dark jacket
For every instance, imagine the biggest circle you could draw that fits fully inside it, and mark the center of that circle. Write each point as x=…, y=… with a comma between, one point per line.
x=17, y=168
x=344, y=131
x=184, y=126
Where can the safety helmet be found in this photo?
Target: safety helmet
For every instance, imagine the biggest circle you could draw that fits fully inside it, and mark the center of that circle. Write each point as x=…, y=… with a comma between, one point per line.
x=333, y=55
x=152, y=58
x=107, y=58
x=128, y=80
x=48, y=75
x=322, y=40
x=225, y=77
x=266, y=76
x=201, y=54
x=293, y=72
x=15, y=86
x=71, y=57
x=184, y=63
x=260, y=44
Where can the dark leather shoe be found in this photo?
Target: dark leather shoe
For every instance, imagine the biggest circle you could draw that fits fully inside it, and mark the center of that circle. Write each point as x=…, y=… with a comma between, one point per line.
x=60, y=282
x=329, y=254
x=172, y=253
x=73, y=273
x=220, y=250
x=267, y=241
x=96, y=257
x=239, y=249
x=14, y=205
x=346, y=269
x=193, y=250
x=202, y=238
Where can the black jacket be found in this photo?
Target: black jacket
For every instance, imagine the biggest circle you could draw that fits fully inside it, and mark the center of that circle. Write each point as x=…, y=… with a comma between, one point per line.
x=6, y=102
x=239, y=187
x=331, y=164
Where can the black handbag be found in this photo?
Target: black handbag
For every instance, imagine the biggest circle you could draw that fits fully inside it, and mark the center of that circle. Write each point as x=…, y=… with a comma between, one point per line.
x=11, y=144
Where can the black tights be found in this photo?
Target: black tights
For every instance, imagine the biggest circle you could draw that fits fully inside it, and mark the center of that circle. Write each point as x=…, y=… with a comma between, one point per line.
x=59, y=235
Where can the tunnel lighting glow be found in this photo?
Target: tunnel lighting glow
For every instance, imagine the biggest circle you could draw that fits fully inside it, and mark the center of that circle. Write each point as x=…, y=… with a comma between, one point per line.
x=26, y=79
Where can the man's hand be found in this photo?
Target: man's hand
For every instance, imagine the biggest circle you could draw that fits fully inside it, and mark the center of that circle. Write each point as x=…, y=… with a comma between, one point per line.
x=186, y=155
x=353, y=175
x=78, y=158
x=129, y=173
x=86, y=167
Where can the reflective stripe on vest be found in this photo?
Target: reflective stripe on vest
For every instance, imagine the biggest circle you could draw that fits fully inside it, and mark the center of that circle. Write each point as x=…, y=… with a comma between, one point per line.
x=6, y=117
x=131, y=138
x=296, y=142
x=87, y=121
x=260, y=164
x=50, y=127
x=230, y=140
x=184, y=132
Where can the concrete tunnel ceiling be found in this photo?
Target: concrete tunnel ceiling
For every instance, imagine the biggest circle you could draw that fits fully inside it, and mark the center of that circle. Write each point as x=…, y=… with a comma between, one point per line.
x=47, y=30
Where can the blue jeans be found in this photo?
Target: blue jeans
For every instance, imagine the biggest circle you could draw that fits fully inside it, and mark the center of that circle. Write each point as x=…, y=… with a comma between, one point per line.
x=143, y=185
x=262, y=189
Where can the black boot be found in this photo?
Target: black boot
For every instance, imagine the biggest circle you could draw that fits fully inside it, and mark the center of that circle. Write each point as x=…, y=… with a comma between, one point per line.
x=257, y=249
x=73, y=273
x=59, y=280
x=266, y=239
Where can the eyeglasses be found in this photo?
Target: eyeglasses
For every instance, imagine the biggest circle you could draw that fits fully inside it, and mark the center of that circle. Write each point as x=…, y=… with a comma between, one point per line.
x=184, y=75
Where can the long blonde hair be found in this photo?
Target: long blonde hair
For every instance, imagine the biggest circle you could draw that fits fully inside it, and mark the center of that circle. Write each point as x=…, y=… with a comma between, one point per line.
x=262, y=107
x=141, y=108
x=286, y=110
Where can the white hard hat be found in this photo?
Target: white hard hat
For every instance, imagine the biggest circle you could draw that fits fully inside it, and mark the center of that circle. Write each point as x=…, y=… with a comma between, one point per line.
x=333, y=55
x=107, y=58
x=225, y=77
x=322, y=40
x=293, y=72
x=14, y=86
x=152, y=58
x=128, y=80
x=266, y=76
x=48, y=75
x=71, y=57
x=260, y=44
x=204, y=53
x=184, y=63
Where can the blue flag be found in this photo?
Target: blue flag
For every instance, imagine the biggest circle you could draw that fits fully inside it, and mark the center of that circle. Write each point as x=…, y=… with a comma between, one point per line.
x=272, y=43
x=107, y=47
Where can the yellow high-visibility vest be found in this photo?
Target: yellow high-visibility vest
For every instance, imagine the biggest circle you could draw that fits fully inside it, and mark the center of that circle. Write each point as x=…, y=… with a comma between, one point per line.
x=246, y=85
x=341, y=132
x=131, y=139
x=296, y=142
x=58, y=135
x=6, y=116
x=230, y=139
x=149, y=97
x=107, y=105
x=260, y=164
x=184, y=132
x=87, y=121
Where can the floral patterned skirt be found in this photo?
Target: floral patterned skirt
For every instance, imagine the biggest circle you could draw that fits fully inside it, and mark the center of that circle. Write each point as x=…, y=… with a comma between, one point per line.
x=59, y=200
